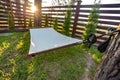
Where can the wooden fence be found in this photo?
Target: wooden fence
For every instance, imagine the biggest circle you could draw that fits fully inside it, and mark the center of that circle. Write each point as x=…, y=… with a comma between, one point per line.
x=109, y=17
x=21, y=13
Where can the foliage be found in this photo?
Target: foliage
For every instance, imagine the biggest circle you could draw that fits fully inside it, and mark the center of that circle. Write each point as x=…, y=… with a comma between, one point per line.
x=30, y=24
x=55, y=24
x=46, y=20
x=67, y=22
x=92, y=21
x=96, y=55
x=11, y=21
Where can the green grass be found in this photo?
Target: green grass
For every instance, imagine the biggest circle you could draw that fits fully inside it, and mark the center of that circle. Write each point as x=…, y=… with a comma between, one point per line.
x=63, y=64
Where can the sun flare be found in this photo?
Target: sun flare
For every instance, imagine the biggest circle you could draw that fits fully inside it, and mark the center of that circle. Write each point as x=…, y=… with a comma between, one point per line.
x=33, y=8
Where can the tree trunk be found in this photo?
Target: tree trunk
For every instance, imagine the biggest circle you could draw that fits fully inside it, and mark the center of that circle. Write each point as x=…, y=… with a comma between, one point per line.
x=37, y=15
x=109, y=68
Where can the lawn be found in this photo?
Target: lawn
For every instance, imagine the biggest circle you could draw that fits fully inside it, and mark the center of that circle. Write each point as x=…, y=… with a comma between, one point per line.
x=70, y=63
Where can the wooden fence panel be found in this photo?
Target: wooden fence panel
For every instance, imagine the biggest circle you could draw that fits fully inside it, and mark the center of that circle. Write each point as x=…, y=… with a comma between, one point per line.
x=109, y=17
x=21, y=14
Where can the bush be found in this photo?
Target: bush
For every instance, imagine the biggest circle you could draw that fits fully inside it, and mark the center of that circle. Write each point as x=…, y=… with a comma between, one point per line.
x=46, y=20
x=55, y=24
x=67, y=22
x=92, y=21
x=11, y=21
x=30, y=24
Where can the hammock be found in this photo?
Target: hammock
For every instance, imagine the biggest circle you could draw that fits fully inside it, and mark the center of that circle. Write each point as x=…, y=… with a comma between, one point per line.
x=46, y=39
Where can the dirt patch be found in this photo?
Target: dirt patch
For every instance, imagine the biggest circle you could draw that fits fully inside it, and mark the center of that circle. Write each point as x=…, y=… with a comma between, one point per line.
x=89, y=64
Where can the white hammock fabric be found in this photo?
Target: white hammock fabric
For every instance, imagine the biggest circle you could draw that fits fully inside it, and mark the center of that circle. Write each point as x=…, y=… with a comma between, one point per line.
x=45, y=39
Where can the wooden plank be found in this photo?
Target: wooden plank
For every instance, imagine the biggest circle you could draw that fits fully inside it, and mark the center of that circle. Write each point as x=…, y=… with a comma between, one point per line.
x=19, y=23
x=102, y=17
x=110, y=17
x=83, y=15
x=80, y=28
x=79, y=36
x=3, y=22
x=78, y=32
x=16, y=3
x=3, y=12
x=56, y=10
x=102, y=11
x=98, y=27
x=66, y=6
x=110, y=11
x=19, y=20
x=104, y=27
x=3, y=15
x=110, y=5
x=3, y=19
x=100, y=32
x=3, y=26
x=52, y=13
x=3, y=8
x=4, y=4
x=102, y=6
x=101, y=22
x=81, y=24
x=109, y=22
x=17, y=16
x=82, y=19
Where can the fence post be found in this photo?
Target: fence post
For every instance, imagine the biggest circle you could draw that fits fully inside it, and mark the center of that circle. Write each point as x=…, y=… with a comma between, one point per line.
x=10, y=9
x=18, y=7
x=38, y=13
x=24, y=12
x=76, y=17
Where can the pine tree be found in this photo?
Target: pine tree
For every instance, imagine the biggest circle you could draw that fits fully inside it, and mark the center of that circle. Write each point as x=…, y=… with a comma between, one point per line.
x=55, y=24
x=92, y=21
x=67, y=23
x=11, y=22
x=30, y=24
x=46, y=20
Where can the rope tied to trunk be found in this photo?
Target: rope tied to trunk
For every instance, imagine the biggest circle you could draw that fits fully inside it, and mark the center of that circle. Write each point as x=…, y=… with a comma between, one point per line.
x=92, y=38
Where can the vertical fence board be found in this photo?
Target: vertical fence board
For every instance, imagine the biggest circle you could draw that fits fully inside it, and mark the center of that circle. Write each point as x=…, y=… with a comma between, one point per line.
x=76, y=17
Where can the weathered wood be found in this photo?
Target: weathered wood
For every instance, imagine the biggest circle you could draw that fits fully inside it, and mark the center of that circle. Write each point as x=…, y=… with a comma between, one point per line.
x=37, y=16
x=24, y=12
x=103, y=6
x=73, y=6
x=103, y=11
x=109, y=68
x=17, y=9
x=76, y=17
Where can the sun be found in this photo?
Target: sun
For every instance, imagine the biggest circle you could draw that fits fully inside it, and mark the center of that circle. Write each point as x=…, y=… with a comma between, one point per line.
x=33, y=8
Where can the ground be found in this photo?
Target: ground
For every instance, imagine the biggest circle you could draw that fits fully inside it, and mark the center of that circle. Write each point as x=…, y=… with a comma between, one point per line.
x=70, y=63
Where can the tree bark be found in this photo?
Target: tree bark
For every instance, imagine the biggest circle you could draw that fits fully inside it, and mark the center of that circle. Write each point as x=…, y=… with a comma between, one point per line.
x=109, y=68
x=38, y=14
